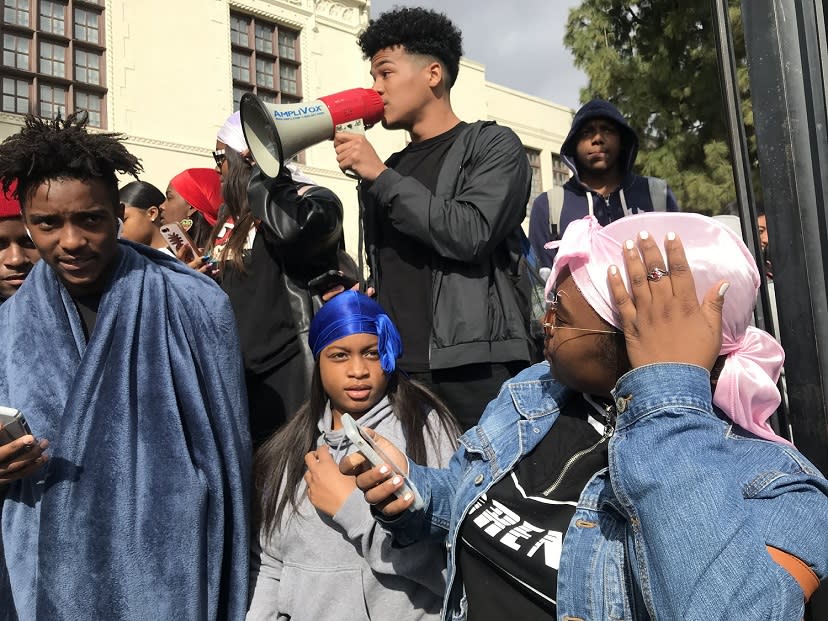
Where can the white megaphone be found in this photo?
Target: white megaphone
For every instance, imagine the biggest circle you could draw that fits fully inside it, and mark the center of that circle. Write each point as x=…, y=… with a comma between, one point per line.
x=276, y=132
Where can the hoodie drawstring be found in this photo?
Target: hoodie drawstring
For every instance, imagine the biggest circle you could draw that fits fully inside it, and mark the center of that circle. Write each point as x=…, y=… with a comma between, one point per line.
x=624, y=202
x=624, y=208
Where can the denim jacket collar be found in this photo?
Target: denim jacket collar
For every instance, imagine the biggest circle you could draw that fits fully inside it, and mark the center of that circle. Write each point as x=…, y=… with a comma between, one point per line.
x=534, y=406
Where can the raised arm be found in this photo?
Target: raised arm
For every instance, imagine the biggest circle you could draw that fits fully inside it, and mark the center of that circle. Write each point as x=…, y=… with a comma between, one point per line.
x=703, y=501
x=305, y=216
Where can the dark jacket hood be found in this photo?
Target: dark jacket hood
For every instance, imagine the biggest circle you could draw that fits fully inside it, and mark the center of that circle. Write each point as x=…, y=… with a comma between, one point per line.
x=598, y=108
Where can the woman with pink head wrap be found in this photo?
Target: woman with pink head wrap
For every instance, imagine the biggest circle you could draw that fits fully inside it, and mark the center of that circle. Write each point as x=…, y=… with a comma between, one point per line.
x=752, y=359
x=654, y=489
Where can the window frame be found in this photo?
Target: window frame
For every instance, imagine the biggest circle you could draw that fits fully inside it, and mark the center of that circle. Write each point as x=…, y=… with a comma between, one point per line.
x=265, y=62
x=534, y=158
x=34, y=74
x=560, y=171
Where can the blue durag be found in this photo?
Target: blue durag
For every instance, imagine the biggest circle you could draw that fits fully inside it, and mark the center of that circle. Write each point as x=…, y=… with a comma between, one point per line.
x=350, y=313
x=141, y=511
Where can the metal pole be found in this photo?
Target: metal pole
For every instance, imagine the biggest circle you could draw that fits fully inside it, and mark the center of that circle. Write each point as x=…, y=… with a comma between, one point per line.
x=745, y=200
x=740, y=157
x=786, y=48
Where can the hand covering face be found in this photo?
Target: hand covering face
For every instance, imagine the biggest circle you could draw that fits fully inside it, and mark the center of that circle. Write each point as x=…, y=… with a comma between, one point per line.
x=746, y=388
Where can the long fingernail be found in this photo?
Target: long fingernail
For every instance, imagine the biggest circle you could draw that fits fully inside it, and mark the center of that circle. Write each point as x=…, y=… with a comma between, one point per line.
x=671, y=236
x=629, y=245
x=644, y=235
x=723, y=289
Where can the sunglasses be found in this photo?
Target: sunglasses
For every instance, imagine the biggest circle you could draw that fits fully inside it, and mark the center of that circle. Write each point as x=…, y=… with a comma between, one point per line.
x=219, y=156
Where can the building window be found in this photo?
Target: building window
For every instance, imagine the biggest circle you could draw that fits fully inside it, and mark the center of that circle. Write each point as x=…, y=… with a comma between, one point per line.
x=560, y=171
x=16, y=12
x=239, y=30
x=53, y=58
x=264, y=38
x=241, y=67
x=87, y=26
x=264, y=73
x=93, y=104
x=534, y=165
x=88, y=67
x=261, y=51
x=288, y=79
x=53, y=17
x=16, y=51
x=288, y=44
x=15, y=96
x=52, y=101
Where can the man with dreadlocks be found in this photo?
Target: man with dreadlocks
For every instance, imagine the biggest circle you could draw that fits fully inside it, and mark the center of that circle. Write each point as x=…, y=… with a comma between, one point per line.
x=126, y=366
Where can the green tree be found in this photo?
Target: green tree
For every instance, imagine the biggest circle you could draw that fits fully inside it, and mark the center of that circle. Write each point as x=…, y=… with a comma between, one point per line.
x=656, y=60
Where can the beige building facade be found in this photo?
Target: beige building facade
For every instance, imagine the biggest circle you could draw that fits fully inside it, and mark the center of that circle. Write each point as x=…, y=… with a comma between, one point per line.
x=166, y=73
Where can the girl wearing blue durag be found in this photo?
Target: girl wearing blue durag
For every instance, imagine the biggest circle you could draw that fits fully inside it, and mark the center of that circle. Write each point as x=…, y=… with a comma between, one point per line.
x=320, y=554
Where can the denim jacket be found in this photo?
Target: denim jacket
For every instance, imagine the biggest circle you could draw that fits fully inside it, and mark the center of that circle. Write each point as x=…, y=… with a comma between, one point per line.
x=674, y=528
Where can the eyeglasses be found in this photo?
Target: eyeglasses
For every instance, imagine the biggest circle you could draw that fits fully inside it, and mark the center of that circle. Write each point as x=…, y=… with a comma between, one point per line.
x=219, y=156
x=549, y=326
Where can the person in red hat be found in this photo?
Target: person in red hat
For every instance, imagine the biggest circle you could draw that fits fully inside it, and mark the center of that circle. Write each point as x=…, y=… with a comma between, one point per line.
x=193, y=200
x=17, y=251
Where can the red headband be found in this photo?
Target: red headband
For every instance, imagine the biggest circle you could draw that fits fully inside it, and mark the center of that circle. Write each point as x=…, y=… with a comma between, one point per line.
x=9, y=207
x=201, y=187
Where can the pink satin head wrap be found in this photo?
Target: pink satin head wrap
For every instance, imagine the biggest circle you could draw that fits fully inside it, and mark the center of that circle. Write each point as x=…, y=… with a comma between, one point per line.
x=746, y=390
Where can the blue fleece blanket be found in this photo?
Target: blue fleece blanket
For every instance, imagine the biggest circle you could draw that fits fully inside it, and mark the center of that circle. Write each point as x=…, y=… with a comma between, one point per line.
x=142, y=510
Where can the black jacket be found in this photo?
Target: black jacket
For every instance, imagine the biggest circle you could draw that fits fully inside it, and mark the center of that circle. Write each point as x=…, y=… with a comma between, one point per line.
x=472, y=226
x=297, y=239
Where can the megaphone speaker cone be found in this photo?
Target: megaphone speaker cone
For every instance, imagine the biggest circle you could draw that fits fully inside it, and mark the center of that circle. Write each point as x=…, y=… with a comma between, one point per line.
x=261, y=135
x=276, y=132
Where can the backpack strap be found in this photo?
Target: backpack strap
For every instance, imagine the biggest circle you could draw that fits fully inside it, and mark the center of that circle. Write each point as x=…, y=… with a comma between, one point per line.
x=658, y=193
x=554, y=215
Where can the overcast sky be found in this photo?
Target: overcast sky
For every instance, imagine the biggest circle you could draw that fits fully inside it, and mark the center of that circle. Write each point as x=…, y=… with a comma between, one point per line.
x=522, y=48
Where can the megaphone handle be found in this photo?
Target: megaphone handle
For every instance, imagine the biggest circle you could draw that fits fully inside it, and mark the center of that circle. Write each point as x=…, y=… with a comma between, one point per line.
x=354, y=127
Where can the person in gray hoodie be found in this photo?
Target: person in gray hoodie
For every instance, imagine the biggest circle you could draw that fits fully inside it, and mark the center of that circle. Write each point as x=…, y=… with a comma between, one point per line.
x=320, y=554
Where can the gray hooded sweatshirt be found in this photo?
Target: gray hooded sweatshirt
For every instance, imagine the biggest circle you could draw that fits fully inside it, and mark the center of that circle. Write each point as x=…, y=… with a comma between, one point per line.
x=317, y=568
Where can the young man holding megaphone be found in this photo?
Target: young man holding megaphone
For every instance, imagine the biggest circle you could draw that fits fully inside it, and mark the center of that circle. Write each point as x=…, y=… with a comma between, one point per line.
x=442, y=217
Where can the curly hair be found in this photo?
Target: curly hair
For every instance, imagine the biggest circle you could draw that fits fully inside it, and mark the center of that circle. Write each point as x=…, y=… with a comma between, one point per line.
x=46, y=149
x=419, y=31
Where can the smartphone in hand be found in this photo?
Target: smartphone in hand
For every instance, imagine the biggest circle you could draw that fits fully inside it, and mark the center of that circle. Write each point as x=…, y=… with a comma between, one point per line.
x=176, y=237
x=374, y=454
x=329, y=280
x=14, y=426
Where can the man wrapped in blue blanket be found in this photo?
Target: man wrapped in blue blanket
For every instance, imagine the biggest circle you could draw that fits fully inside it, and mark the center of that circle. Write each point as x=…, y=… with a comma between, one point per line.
x=130, y=498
